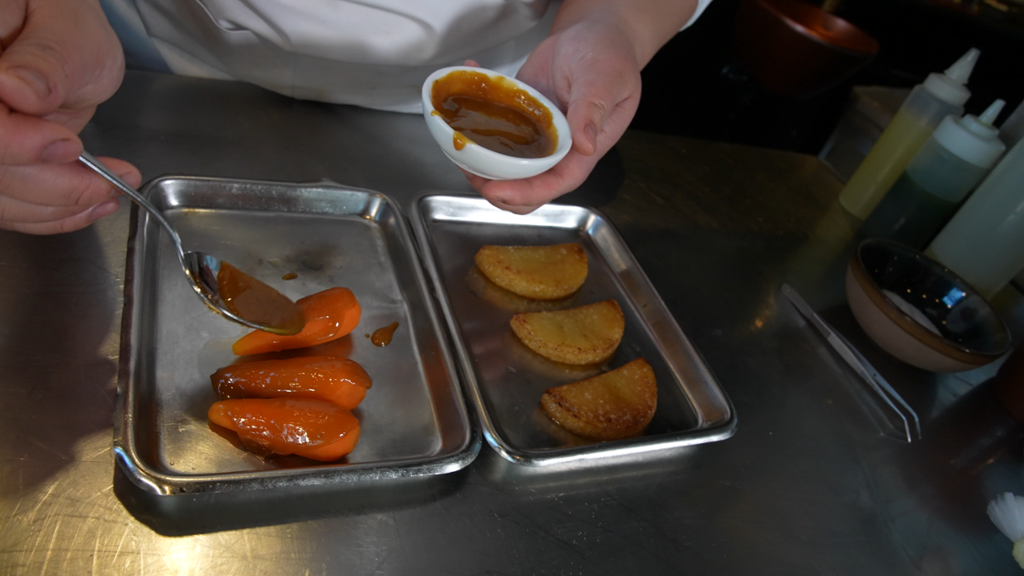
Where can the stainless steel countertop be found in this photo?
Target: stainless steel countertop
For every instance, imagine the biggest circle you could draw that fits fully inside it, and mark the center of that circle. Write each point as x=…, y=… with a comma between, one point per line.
x=808, y=485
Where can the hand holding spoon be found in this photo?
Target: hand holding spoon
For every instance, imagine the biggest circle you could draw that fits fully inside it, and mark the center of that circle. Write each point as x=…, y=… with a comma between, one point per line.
x=226, y=290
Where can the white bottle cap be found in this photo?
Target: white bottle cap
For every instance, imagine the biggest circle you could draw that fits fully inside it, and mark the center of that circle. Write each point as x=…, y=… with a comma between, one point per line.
x=949, y=86
x=973, y=138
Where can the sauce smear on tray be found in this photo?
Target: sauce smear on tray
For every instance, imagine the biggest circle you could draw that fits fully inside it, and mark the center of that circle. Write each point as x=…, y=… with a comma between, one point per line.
x=382, y=336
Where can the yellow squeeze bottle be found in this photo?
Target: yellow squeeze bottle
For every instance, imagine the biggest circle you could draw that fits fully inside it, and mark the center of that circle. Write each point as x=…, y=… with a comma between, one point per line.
x=928, y=103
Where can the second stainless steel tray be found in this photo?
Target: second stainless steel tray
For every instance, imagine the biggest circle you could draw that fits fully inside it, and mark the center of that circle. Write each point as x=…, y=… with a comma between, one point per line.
x=505, y=381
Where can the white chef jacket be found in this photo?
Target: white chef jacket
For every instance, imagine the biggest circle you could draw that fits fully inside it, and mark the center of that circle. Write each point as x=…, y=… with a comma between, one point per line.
x=371, y=53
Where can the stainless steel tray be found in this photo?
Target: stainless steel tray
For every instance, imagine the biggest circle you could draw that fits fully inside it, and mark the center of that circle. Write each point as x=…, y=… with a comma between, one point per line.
x=505, y=381
x=414, y=421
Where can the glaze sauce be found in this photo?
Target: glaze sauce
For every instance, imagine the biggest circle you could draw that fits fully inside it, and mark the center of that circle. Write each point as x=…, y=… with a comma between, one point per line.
x=252, y=300
x=315, y=429
x=337, y=380
x=382, y=336
x=329, y=315
x=495, y=114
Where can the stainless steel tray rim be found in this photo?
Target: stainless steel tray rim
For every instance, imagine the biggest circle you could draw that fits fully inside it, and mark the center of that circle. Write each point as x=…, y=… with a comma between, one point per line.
x=615, y=448
x=161, y=484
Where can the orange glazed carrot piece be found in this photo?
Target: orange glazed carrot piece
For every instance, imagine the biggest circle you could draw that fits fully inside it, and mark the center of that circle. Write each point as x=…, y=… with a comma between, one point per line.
x=338, y=380
x=314, y=429
x=330, y=315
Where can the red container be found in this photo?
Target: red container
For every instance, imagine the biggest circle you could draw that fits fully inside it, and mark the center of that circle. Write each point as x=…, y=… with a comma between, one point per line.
x=797, y=50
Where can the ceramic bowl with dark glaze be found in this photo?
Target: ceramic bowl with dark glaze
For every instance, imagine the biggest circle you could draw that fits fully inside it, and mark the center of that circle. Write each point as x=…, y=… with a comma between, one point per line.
x=920, y=311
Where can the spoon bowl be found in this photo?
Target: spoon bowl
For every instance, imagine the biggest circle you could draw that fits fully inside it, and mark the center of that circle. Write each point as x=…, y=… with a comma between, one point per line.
x=222, y=287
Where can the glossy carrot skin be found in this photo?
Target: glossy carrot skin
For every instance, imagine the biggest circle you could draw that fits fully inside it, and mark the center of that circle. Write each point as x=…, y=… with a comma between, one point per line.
x=314, y=429
x=338, y=380
x=329, y=315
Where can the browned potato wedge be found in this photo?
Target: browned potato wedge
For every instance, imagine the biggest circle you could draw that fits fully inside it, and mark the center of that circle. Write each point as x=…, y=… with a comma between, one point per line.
x=541, y=272
x=483, y=288
x=560, y=437
x=553, y=373
x=614, y=405
x=584, y=335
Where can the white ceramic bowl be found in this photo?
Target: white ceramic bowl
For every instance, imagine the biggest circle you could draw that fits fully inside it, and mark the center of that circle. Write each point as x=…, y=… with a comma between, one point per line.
x=487, y=163
x=920, y=311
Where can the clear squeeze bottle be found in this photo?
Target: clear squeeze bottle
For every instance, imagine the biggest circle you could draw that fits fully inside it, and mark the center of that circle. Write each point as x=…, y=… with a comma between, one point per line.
x=984, y=242
x=1012, y=130
x=948, y=166
x=928, y=103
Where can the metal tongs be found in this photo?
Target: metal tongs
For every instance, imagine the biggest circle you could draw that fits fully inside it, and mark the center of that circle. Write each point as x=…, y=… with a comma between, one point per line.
x=860, y=365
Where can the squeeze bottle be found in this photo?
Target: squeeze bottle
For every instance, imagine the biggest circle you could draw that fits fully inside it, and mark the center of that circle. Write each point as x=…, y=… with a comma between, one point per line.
x=1012, y=130
x=928, y=103
x=984, y=242
x=948, y=166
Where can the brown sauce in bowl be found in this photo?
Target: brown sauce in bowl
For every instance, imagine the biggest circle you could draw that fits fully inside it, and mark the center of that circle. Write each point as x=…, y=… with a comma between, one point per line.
x=493, y=113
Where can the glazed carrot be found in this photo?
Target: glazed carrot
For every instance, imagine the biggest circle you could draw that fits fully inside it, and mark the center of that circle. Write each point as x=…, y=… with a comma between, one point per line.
x=337, y=380
x=312, y=428
x=330, y=314
x=333, y=451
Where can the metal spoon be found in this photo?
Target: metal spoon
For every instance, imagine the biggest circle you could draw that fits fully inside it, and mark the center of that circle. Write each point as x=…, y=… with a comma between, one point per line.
x=234, y=295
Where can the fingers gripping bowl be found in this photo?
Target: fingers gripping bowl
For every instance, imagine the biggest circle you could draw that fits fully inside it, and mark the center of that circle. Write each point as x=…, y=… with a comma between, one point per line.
x=531, y=131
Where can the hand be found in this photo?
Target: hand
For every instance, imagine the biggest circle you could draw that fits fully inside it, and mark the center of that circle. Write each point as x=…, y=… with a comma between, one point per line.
x=58, y=60
x=590, y=71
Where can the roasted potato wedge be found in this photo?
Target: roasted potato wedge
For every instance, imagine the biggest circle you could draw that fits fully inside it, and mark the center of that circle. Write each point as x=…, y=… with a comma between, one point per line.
x=583, y=335
x=539, y=272
x=614, y=405
x=553, y=373
x=560, y=437
x=483, y=288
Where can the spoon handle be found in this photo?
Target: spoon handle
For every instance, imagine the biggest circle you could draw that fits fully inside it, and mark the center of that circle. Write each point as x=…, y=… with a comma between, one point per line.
x=90, y=161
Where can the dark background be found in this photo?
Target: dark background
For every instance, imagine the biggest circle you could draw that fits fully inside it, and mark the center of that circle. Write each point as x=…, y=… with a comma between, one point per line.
x=695, y=87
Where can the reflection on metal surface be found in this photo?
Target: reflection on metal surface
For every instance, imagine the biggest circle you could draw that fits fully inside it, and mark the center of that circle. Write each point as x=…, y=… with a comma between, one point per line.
x=860, y=365
x=204, y=513
x=581, y=476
